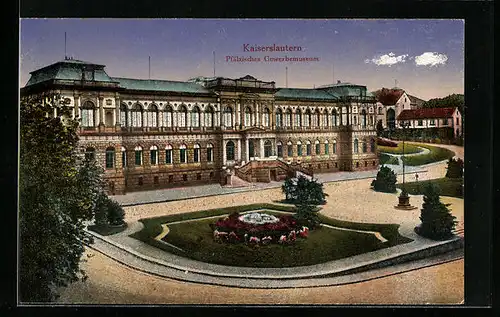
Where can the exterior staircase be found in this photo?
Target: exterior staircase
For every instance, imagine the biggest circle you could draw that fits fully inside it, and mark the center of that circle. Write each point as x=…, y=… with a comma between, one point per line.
x=459, y=229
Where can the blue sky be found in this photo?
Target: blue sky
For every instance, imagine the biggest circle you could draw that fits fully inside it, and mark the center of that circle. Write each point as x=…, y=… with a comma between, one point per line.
x=426, y=57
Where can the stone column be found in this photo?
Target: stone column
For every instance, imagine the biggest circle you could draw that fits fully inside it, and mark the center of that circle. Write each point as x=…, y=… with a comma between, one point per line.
x=117, y=112
x=202, y=119
x=100, y=101
x=257, y=115
x=247, y=154
x=238, y=114
x=223, y=152
x=188, y=118
x=239, y=150
x=261, y=141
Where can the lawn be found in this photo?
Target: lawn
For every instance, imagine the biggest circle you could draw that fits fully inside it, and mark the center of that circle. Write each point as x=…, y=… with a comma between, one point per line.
x=409, y=149
x=387, y=159
x=436, y=154
x=448, y=187
x=322, y=245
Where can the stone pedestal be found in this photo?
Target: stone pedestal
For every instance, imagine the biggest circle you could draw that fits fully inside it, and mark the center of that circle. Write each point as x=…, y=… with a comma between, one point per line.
x=404, y=203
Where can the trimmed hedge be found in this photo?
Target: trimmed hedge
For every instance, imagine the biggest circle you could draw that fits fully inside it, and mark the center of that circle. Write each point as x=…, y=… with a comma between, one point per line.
x=436, y=154
x=409, y=149
x=451, y=187
x=387, y=159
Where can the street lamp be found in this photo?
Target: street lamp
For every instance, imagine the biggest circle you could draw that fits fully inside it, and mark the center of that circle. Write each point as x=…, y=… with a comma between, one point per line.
x=404, y=198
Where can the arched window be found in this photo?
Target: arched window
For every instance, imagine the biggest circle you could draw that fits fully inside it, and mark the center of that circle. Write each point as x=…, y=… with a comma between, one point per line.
x=109, y=118
x=168, y=154
x=372, y=145
x=152, y=116
x=182, y=116
x=168, y=117
x=289, y=149
x=334, y=118
x=317, y=119
x=182, y=153
x=90, y=154
x=268, y=148
x=308, y=148
x=334, y=146
x=299, y=148
x=307, y=118
x=379, y=110
x=248, y=117
x=230, y=151
x=364, y=146
x=153, y=154
x=251, y=148
x=356, y=146
x=363, y=118
x=210, y=152
x=110, y=157
x=266, y=117
x=196, y=153
x=355, y=120
x=288, y=118
x=124, y=157
x=279, y=149
x=209, y=117
x=123, y=115
x=317, y=147
x=298, y=118
x=195, y=117
x=228, y=117
x=325, y=118
x=327, y=148
x=88, y=114
x=279, y=118
x=136, y=116
x=138, y=155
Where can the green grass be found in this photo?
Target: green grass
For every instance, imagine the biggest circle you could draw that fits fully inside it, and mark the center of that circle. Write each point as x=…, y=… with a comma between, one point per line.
x=387, y=159
x=409, y=149
x=451, y=187
x=106, y=230
x=322, y=245
x=436, y=154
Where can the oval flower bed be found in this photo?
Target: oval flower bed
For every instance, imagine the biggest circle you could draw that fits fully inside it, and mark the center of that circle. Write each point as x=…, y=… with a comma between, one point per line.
x=258, y=228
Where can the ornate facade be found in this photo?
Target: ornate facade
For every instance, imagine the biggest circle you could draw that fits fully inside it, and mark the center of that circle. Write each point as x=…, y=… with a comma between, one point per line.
x=157, y=133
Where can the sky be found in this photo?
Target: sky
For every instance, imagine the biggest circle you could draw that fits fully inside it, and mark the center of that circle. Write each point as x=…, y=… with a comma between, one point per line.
x=424, y=57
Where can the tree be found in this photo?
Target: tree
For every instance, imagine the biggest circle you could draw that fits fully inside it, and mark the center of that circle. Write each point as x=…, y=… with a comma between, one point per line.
x=58, y=192
x=307, y=215
x=304, y=190
x=380, y=128
x=453, y=100
x=455, y=168
x=385, y=181
x=437, y=221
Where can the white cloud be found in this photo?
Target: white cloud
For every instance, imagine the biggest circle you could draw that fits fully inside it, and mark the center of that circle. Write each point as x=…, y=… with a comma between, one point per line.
x=430, y=59
x=387, y=59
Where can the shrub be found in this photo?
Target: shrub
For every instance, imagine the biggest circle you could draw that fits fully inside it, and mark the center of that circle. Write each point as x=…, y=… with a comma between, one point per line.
x=306, y=215
x=108, y=212
x=455, y=168
x=304, y=191
x=385, y=181
x=116, y=214
x=437, y=221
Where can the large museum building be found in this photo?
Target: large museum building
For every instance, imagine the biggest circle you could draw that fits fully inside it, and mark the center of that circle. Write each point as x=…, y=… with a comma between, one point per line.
x=159, y=133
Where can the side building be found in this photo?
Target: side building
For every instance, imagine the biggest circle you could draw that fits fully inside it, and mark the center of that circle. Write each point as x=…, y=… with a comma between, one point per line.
x=158, y=133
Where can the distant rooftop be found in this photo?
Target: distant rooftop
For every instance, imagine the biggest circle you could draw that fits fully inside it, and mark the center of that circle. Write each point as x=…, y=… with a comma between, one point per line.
x=304, y=93
x=161, y=85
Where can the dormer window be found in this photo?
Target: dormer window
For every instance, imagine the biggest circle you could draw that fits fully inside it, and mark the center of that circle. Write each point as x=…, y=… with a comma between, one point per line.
x=88, y=74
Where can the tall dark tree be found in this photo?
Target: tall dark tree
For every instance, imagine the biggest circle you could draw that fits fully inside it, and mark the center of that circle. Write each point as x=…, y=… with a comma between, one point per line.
x=380, y=128
x=455, y=168
x=304, y=190
x=385, y=181
x=57, y=194
x=437, y=221
x=454, y=100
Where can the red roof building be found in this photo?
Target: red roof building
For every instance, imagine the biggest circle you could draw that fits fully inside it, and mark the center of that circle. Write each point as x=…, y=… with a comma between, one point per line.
x=426, y=113
x=427, y=118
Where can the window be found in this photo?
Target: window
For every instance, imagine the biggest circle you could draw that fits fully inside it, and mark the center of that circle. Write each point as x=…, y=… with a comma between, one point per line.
x=195, y=117
x=168, y=154
x=357, y=164
x=140, y=181
x=248, y=117
x=228, y=117
x=279, y=118
x=170, y=178
x=136, y=116
x=167, y=117
x=364, y=146
x=90, y=154
x=196, y=153
x=138, y=155
x=268, y=148
x=209, y=117
x=279, y=148
x=445, y=122
x=432, y=122
x=298, y=118
x=182, y=116
x=184, y=177
x=288, y=118
x=124, y=157
x=210, y=154
x=289, y=149
x=363, y=118
x=356, y=146
x=198, y=176
x=334, y=146
x=379, y=110
x=110, y=157
x=327, y=148
x=325, y=119
x=354, y=120
x=230, y=151
x=88, y=111
x=308, y=148
x=457, y=122
x=109, y=118
x=251, y=148
x=153, y=151
x=334, y=117
x=299, y=148
x=123, y=115
x=420, y=122
x=318, y=149
x=266, y=117
x=152, y=116
x=182, y=153
x=211, y=175
x=317, y=119
x=307, y=118
x=372, y=145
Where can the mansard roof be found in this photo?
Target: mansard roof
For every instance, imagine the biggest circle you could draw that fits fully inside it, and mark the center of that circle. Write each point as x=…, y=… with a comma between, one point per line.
x=304, y=93
x=162, y=85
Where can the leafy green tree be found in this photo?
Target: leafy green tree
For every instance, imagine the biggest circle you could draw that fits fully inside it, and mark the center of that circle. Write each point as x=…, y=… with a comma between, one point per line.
x=437, y=221
x=455, y=168
x=307, y=215
x=454, y=100
x=385, y=181
x=57, y=194
x=303, y=190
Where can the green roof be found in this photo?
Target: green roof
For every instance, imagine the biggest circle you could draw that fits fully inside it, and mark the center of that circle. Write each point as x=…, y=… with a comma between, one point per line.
x=161, y=85
x=303, y=93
